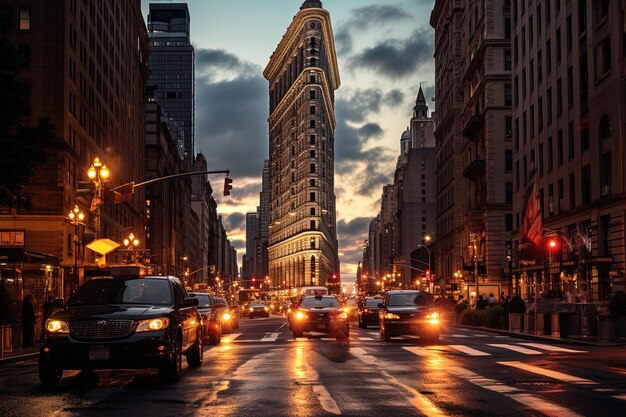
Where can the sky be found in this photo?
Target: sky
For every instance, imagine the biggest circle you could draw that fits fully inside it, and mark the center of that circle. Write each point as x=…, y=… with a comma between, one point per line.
x=384, y=52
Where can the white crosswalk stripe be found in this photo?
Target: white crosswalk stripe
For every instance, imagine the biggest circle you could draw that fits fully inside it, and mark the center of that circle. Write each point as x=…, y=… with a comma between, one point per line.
x=514, y=348
x=230, y=337
x=552, y=348
x=560, y=376
x=469, y=351
x=270, y=337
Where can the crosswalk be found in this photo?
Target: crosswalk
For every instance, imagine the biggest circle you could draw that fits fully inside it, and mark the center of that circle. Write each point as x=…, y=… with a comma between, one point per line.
x=481, y=345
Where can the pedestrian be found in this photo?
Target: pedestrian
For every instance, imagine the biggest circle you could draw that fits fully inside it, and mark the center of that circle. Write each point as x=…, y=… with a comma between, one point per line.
x=481, y=304
x=461, y=300
x=491, y=300
x=502, y=298
x=28, y=321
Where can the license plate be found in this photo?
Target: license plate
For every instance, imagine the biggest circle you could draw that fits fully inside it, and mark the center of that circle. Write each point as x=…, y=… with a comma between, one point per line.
x=99, y=353
x=321, y=326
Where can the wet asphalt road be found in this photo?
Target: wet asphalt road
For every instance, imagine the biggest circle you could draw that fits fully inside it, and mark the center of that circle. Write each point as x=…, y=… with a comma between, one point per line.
x=260, y=370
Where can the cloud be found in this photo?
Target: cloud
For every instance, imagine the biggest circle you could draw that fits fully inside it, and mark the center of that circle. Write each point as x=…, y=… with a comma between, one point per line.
x=234, y=221
x=238, y=244
x=354, y=227
x=362, y=19
x=397, y=58
x=230, y=118
x=219, y=65
x=394, y=98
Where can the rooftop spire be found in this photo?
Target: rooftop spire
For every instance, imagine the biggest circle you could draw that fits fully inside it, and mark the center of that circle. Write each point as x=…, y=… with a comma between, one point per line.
x=309, y=4
x=420, y=110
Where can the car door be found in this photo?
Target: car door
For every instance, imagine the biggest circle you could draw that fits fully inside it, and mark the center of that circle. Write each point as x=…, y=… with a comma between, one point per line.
x=189, y=322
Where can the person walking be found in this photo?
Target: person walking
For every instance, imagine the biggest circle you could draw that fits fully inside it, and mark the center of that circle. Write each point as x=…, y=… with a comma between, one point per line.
x=28, y=321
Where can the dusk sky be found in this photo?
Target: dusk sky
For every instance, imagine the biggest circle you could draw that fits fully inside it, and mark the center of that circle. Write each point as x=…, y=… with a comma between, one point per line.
x=384, y=51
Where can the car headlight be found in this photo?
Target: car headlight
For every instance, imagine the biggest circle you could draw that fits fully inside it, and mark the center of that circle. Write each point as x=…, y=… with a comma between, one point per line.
x=251, y=309
x=391, y=316
x=301, y=315
x=433, y=318
x=152, y=325
x=226, y=316
x=343, y=315
x=266, y=309
x=57, y=326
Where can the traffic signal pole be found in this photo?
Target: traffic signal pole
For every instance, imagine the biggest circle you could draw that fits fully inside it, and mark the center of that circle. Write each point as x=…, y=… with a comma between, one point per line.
x=167, y=177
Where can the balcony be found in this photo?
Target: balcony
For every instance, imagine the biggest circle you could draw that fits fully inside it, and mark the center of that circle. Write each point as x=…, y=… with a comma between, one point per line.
x=473, y=119
x=474, y=169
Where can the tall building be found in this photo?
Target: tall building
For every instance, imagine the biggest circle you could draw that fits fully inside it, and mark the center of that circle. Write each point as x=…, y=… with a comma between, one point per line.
x=303, y=76
x=483, y=150
x=450, y=193
x=569, y=110
x=172, y=71
x=86, y=66
x=414, y=184
x=386, y=230
x=252, y=235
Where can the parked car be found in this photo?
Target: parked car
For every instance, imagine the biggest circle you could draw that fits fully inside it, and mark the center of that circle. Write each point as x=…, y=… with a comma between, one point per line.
x=258, y=309
x=321, y=313
x=127, y=322
x=408, y=312
x=211, y=321
x=368, y=311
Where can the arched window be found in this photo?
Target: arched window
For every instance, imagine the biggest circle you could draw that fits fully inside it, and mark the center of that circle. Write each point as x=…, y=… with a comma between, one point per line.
x=604, y=128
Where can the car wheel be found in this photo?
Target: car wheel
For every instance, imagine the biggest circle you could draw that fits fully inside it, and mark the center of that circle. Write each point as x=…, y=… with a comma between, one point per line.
x=195, y=355
x=171, y=372
x=384, y=335
x=214, y=337
x=49, y=375
x=297, y=333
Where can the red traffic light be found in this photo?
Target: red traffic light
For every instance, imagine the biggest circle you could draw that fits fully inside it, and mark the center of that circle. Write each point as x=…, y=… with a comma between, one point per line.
x=428, y=272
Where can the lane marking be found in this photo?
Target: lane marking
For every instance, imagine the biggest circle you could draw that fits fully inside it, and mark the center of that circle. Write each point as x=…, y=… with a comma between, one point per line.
x=327, y=338
x=479, y=335
x=230, y=337
x=326, y=400
x=560, y=376
x=283, y=325
x=552, y=348
x=419, y=351
x=454, y=335
x=270, y=337
x=514, y=348
x=469, y=351
x=502, y=337
x=365, y=338
x=526, y=399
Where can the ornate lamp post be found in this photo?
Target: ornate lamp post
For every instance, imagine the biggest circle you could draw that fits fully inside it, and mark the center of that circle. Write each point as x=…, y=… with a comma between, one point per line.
x=131, y=243
x=99, y=174
x=76, y=217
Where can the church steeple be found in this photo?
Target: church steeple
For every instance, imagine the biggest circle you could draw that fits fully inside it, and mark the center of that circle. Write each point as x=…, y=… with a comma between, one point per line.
x=420, y=110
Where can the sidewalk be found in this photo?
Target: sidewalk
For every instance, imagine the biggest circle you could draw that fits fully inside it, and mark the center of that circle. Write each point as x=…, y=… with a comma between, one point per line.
x=20, y=354
x=589, y=341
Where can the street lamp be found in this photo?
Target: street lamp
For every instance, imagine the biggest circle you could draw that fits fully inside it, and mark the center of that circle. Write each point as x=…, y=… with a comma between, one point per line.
x=131, y=243
x=76, y=217
x=98, y=173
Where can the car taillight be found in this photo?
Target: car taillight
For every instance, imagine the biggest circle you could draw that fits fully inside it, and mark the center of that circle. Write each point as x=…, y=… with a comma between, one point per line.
x=365, y=310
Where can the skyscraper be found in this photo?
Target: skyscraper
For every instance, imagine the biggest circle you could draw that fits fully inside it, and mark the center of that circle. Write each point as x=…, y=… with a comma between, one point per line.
x=303, y=75
x=172, y=71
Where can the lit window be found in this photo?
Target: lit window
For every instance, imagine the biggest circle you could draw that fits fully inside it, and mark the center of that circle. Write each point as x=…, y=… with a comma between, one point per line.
x=24, y=23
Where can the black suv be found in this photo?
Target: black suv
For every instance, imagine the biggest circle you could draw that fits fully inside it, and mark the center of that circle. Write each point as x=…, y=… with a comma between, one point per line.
x=368, y=311
x=123, y=322
x=211, y=320
x=408, y=312
x=321, y=313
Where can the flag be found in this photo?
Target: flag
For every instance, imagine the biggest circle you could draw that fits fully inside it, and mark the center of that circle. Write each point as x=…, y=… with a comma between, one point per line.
x=567, y=238
x=95, y=203
x=584, y=236
x=532, y=224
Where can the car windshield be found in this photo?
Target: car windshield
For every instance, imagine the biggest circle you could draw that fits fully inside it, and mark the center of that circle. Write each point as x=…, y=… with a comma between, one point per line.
x=373, y=302
x=408, y=299
x=204, y=301
x=120, y=291
x=325, y=302
x=221, y=301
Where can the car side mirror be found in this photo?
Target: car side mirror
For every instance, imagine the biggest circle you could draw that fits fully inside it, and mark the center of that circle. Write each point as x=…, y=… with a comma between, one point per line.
x=381, y=305
x=189, y=302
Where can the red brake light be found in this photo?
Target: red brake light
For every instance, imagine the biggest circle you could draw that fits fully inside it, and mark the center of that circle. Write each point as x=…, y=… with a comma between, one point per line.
x=366, y=310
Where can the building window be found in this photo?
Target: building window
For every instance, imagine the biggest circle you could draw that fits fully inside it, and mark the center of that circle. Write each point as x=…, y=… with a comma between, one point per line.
x=312, y=153
x=508, y=194
x=312, y=139
x=5, y=19
x=312, y=94
x=582, y=17
x=312, y=168
x=570, y=87
x=604, y=128
x=559, y=147
x=312, y=224
x=312, y=124
x=541, y=159
x=549, y=55
x=571, y=140
x=572, y=191
x=507, y=28
x=312, y=197
x=539, y=67
x=508, y=127
x=312, y=182
x=508, y=100
x=603, y=57
x=24, y=16
x=508, y=222
x=507, y=59
x=516, y=175
x=549, y=106
x=559, y=98
x=584, y=139
x=312, y=110
x=606, y=174
x=569, y=33
x=558, y=46
x=312, y=211
x=585, y=184
x=550, y=154
x=602, y=10
x=548, y=10
x=540, y=114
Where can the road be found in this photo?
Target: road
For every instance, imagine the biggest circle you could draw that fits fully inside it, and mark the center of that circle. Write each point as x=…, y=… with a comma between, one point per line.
x=260, y=370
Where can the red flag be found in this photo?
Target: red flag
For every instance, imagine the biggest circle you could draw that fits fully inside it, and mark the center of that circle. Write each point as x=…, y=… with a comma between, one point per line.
x=532, y=222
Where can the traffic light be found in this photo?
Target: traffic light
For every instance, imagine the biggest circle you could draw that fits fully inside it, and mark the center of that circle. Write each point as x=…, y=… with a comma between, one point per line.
x=227, y=186
x=85, y=188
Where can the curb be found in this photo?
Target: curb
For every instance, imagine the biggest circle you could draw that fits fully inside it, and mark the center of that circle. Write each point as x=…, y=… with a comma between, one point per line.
x=18, y=358
x=540, y=337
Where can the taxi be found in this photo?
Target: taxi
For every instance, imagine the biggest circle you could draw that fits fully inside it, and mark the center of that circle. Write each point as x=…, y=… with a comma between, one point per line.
x=123, y=322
